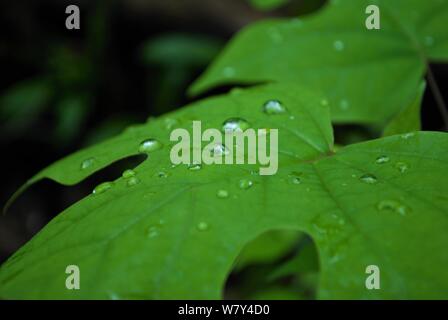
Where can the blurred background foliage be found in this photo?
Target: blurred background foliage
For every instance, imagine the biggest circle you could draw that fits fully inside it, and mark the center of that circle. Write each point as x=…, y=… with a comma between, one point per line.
x=61, y=90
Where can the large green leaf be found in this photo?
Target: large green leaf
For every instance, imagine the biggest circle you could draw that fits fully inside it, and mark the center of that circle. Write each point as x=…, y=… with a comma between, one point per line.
x=171, y=236
x=369, y=75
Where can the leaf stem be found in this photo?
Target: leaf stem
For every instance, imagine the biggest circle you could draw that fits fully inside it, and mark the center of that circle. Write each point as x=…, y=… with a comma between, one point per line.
x=438, y=97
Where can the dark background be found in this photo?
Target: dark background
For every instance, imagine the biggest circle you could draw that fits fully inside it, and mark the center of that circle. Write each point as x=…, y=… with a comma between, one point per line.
x=61, y=90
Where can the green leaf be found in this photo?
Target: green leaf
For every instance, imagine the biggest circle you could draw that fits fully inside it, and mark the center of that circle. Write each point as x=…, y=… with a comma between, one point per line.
x=266, y=5
x=334, y=52
x=408, y=119
x=171, y=236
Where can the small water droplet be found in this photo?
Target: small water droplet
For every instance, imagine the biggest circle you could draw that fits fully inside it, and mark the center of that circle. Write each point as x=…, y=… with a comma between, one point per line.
x=170, y=123
x=228, y=72
x=87, y=163
x=102, y=187
x=236, y=91
x=382, y=159
x=233, y=124
x=133, y=181
x=368, y=178
x=194, y=167
x=162, y=174
x=245, y=184
x=344, y=104
x=273, y=107
x=339, y=45
x=202, y=226
x=324, y=102
x=219, y=150
x=275, y=35
x=394, y=206
x=429, y=41
x=291, y=117
x=407, y=135
x=402, y=167
x=152, y=232
x=222, y=194
x=149, y=145
x=128, y=173
x=294, y=177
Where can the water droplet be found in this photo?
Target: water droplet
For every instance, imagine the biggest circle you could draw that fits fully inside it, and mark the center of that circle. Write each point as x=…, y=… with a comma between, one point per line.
x=133, y=181
x=273, y=107
x=275, y=35
x=429, y=41
x=392, y=205
x=233, y=124
x=194, y=167
x=324, y=102
x=245, y=184
x=87, y=163
x=236, y=91
x=294, y=177
x=402, y=166
x=339, y=45
x=296, y=22
x=291, y=117
x=149, y=145
x=368, y=178
x=128, y=173
x=170, y=123
x=222, y=194
x=228, y=72
x=382, y=159
x=219, y=150
x=162, y=174
x=102, y=187
x=202, y=226
x=152, y=232
x=407, y=135
x=344, y=104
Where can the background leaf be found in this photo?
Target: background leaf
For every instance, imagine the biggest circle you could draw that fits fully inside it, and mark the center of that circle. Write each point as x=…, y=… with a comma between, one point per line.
x=334, y=52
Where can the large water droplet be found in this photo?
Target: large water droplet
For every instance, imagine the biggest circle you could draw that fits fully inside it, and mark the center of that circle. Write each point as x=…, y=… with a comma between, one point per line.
x=273, y=107
x=133, y=181
x=87, y=163
x=128, y=173
x=233, y=124
x=149, y=145
x=222, y=194
x=339, y=45
x=245, y=184
x=202, y=226
x=382, y=159
x=402, y=167
x=368, y=178
x=102, y=187
x=194, y=167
